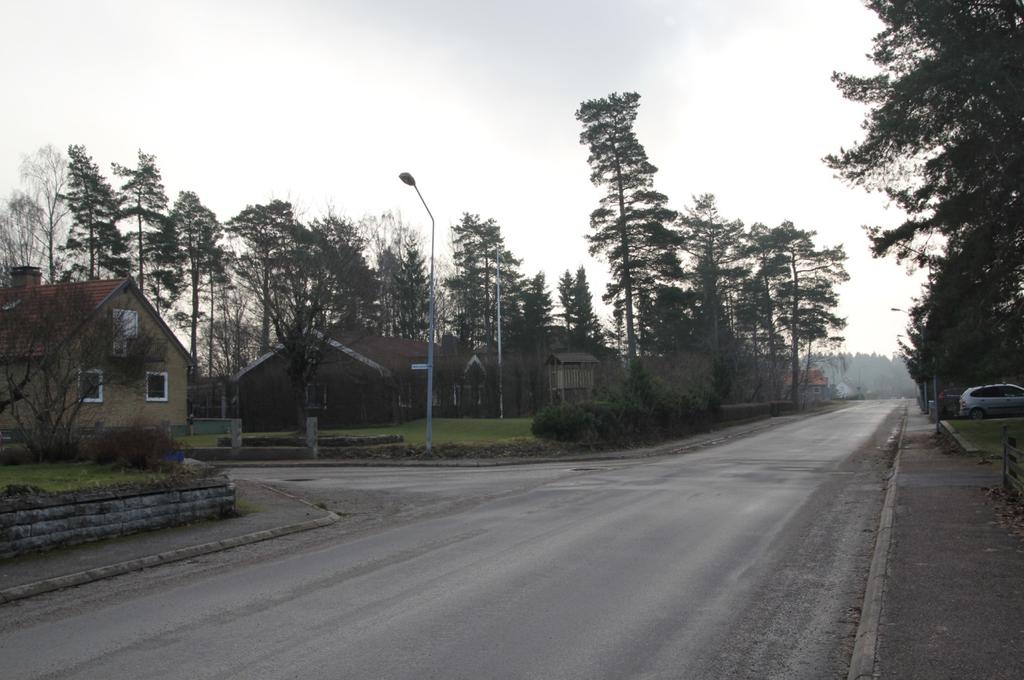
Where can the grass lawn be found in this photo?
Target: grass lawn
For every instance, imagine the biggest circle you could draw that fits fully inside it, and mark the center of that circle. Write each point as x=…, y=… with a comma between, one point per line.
x=446, y=431
x=988, y=434
x=453, y=430
x=58, y=477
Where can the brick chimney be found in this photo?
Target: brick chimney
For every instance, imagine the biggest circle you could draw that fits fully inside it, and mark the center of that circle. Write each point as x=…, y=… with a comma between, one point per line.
x=26, y=277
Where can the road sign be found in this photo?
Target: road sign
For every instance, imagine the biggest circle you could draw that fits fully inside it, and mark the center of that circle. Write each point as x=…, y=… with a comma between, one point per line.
x=420, y=367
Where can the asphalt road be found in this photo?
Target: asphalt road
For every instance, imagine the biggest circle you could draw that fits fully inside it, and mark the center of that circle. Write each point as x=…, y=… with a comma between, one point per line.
x=747, y=560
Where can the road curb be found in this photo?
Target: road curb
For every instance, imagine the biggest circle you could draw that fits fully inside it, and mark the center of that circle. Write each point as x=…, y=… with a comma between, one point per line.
x=88, y=576
x=862, y=660
x=961, y=442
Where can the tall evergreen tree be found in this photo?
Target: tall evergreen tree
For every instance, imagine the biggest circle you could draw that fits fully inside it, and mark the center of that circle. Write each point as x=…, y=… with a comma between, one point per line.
x=565, y=301
x=198, y=235
x=715, y=246
x=529, y=328
x=412, y=291
x=94, y=242
x=166, y=277
x=587, y=334
x=760, y=306
x=264, y=231
x=143, y=200
x=943, y=142
x=354, y=288
x=631, y=225
x=476, y=244
x=583, y=331
x=807, y=295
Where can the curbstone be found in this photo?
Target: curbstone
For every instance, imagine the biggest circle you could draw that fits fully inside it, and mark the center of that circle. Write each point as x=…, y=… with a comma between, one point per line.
x=90, y=575
x=862, y=659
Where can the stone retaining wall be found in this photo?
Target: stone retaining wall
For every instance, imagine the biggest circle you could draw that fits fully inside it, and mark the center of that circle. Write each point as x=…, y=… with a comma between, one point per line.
x=36, y=523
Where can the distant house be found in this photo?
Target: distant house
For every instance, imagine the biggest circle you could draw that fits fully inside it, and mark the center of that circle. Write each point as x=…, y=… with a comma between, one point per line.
x=39, y=321
x=813, y=386
x=363, y=379
x=571, y=376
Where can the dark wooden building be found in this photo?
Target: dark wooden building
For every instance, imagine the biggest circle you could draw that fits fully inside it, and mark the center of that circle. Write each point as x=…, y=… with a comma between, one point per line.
x=363, y=379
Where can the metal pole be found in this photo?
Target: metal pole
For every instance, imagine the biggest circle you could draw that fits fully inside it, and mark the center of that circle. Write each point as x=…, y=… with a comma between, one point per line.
x=430, y=340
x=501, y=398
x=938, y=407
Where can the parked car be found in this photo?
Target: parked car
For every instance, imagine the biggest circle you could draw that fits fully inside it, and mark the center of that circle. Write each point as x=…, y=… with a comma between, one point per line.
x=992, y=401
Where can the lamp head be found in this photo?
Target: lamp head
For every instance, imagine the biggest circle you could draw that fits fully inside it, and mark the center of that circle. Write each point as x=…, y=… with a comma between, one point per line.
x=407, y=178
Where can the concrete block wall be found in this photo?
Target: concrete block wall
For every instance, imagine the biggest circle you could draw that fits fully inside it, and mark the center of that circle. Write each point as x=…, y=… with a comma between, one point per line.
x=37, y=523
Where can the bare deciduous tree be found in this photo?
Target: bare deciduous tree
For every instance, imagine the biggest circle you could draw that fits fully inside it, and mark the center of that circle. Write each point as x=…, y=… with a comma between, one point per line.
x=45, y=175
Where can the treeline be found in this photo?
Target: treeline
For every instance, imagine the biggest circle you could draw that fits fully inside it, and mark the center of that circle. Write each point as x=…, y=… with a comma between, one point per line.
x=752, y=303
x=268, y=277
x=756, y=300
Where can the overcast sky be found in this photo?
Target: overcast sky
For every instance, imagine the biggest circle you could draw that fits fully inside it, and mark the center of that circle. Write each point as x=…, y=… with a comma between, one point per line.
x=324, y=103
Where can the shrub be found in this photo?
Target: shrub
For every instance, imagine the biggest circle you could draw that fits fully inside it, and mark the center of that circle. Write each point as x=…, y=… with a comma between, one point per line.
x=137, y=447
x=563, y=422
x=643, y=409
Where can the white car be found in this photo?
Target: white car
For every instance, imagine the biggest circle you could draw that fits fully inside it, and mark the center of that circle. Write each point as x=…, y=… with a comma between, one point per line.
x=992, y=401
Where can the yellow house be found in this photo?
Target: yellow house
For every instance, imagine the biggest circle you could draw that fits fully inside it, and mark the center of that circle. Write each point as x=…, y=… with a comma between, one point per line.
x=39, y=321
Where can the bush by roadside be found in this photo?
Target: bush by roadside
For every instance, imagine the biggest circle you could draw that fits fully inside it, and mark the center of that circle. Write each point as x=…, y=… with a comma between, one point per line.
x=135, y=447
x=644, y=409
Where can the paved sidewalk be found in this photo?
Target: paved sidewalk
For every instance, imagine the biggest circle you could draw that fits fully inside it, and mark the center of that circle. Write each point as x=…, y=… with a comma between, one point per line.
x=265, y=514
x=953, y=604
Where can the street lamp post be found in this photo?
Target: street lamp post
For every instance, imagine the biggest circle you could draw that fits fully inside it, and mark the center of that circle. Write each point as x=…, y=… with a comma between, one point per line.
x=408, y=179
x=497, y=277
x=935, y=380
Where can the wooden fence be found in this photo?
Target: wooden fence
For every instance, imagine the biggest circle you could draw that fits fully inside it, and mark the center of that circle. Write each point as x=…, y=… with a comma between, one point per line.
x=1013, y=464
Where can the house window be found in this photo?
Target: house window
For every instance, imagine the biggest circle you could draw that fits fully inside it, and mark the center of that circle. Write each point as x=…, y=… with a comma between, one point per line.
x=90, y=386
x=156, y=387
x=126, y=327
x=316, y=396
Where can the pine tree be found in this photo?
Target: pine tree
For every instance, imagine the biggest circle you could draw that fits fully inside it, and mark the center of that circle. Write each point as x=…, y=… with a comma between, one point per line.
x=476, y=244
x=942, y=140
x=264, y=231
x=198, y=235
x=94, y=241
x=715, y=246
x=631, y=224
x=529, y=327
x=807, y=295
x=565, y=300
x=143, y=199
x=412, y=291
x=166, y=277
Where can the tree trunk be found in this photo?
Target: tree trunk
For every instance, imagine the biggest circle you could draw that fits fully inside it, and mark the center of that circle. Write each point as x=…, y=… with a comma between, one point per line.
x=141, y=290
x=194, y=323
x=627, y=275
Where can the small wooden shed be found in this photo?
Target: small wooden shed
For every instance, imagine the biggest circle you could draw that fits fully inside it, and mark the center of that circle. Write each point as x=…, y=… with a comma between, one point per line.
x=571, y=376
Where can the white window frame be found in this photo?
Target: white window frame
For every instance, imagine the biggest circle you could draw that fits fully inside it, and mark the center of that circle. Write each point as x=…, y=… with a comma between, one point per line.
x=91, y=400
x=167, y=387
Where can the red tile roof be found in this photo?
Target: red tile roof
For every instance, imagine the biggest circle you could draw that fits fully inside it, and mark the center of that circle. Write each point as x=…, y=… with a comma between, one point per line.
x=56, y=310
